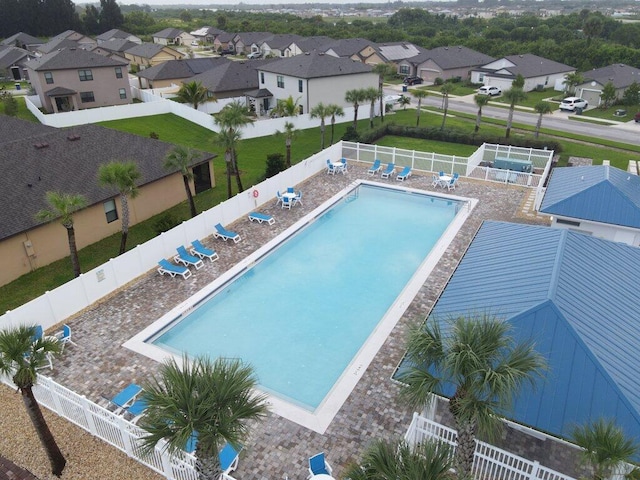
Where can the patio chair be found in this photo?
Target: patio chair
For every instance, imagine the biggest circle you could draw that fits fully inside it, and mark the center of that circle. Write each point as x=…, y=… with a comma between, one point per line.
x=344, y=165
x=290, y=190
x=64, y=337
x=435, y=180
x=298, y=198
x=261, y=217
x=278, y=197
x=452, y=183
x=331, y=169
x=225, y=234
x=165, y=266
x=126, y=397
x=389, y=171
x=287, y=202
x=198, y=249
x=406, y=173
x=375, y=168
x=318, y=465
x=187, y=259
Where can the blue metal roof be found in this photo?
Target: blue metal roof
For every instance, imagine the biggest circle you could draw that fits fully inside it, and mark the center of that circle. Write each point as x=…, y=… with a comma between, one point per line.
x=597, y=193
x=577, y=297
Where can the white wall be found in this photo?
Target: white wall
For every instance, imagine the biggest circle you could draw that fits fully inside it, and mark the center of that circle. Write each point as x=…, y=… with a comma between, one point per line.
x=615, y=233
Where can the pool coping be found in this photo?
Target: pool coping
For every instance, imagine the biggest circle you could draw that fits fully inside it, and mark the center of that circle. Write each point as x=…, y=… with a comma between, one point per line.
x=319, y=419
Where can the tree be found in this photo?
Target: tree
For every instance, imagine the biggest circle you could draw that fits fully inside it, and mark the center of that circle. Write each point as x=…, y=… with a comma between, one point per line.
x=194, y=93
x=606, y=448
x=123, y=177
x=227, y=139
x=180, y=158
x=631, y=95
x=371, y=94
x=335, y=111
x=186, y=16
x=21, y=357
x=608, y=95
x=445, y=90
x=404, y=100
x=397, y=460
x=419, y=94
x=62, y=206
x=382, y=69
x=481, y=362
x=213, y=399
x=232, y=118
x=571, y=81
x=9, y=103
x=542, y=108
x=91, y=20
x=513, y=95
x=287, y=107
x=321, y=111
x=289, y=134
x=110, y=15
x=481, y=101
x=519, y=81
x=354, y=97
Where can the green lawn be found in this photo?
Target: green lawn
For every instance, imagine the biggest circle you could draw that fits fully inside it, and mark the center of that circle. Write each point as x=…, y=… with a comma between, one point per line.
x=608, y=113
x=23, y=113
x=459, y=89
x=533, y=98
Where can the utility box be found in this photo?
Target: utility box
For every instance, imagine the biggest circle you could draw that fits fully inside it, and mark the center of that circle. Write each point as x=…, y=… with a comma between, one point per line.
x=512, y=164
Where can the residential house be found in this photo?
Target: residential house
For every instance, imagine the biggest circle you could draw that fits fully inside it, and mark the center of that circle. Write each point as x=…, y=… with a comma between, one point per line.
x=66, y=39
x=22, y=40
x=358, y=49
x=597, y=200
x=276, y=45
x=176, y=72
x=75, y=79
x=308, y=44
x=620, y=75
x=538, y=72
x=575, y=297
x=247, y=42
x=206, y=34
x=172, y=36
x=13, y=61
x=115, y=34
x=224, y=41
x=114, y=49
x=395, y=52
x=443, y=62
x=36, y=159
x=149, y=54
x=313, y=78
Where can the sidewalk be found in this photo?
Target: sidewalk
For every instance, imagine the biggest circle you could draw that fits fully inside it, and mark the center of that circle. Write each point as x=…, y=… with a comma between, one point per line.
x=9, y=471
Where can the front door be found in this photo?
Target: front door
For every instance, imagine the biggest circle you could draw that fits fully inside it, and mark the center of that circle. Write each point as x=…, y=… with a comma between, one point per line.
x=202, y=177
x=63, y=105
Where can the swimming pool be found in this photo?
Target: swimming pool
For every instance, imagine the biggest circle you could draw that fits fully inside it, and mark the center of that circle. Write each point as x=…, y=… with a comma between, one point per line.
x=302, y=309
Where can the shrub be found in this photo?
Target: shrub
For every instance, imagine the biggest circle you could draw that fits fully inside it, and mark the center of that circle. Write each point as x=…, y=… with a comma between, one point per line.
x=164, y=223
x=351, y=135
x=438, y=81
x=275, y=164
x=9, y=103
x=154, y=135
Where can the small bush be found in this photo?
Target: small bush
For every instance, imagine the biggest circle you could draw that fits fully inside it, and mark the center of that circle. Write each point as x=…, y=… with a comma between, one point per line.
x=154, y=135
x=438, y=81
x=351, y=135
x=9, y=103
x=165, y=223
x=275, y=164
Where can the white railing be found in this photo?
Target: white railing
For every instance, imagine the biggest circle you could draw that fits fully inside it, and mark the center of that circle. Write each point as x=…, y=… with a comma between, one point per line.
x=488, y=461
x=111, y=428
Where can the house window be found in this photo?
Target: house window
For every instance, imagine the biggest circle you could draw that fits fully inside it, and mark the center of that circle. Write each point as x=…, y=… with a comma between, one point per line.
x=280, y=80
x=546, y=81
x=123, y=93
x=110, y=210
x=85, y=75
x=481, y=78
x=48, y=77
x=261, y=77
x=300, y=86
x=404, y=69
x=87, y=97
x=300, y=109
x=118, y=72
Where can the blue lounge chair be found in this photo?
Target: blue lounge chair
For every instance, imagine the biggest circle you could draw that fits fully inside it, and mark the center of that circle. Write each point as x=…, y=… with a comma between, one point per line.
x=389, y=171
x=38, y=333
x=199, y=250
x=228, y=457
x=404, y=174
x=375, y=168
x=225, y=234
x=261, y=217
x=126, y=397
x=187, y=259
x=165, y=266
x=318, y=465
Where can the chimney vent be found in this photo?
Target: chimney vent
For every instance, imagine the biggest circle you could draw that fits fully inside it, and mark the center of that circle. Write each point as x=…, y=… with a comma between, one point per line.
x=73, y=137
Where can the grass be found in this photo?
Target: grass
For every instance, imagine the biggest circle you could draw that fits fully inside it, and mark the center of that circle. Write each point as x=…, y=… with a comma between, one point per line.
x=23, y=112
x=532, y=98
x=459, y=91
x=608, y=113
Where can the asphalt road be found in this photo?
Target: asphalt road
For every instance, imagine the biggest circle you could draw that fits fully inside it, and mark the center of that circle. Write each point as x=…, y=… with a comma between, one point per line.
x=627, y=132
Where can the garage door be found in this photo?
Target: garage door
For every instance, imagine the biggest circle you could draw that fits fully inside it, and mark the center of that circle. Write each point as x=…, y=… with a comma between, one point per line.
x=591, y=96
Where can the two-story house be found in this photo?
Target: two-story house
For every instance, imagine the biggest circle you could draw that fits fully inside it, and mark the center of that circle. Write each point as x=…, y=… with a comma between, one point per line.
x=75, y=79
x=114, y=34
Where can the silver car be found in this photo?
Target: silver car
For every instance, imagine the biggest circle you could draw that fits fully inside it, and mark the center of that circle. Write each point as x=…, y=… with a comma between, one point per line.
x=571, y=103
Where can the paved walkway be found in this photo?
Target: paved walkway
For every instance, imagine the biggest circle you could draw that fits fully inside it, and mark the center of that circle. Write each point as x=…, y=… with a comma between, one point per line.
x=99, y=367
x=9, y=471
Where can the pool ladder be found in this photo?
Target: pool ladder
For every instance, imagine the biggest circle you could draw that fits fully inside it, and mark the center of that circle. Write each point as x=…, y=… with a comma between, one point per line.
x=352, y=197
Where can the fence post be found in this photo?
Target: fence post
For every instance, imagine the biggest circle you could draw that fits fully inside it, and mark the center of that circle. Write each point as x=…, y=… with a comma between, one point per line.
x=167, y=467
x=91, y=425
x=535, y=468
x=126, y=437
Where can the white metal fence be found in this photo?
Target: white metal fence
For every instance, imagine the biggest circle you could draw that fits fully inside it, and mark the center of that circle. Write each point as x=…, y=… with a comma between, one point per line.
x=488, y=461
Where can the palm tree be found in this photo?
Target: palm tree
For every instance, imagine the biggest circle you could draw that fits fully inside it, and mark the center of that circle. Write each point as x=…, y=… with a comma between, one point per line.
x=542, y=108
x=404, y=100
x=335, y=111
x=123, y=176
x=481, y=361
x=321, y=111
x=513, y=95
x=213, y=399
x=382, y=69
x=354, y=97
x=481, y=101
x=419, y=94
x=397, y=460
x=227, y=140
x=289, y=134
x=21, y=357
x=572, y=80
x=232, y=118
x=445, y=90
x=287, y=107
x=371, y=94
x=62, y=206
x=606, y=449
x=194, y=93
x=180, y=158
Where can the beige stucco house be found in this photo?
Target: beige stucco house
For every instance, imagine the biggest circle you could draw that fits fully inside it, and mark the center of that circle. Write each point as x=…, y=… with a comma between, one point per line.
x=36, y=159
x=150, y=54
x=443, y=62
x=75, y=79
x=621, y=76
x=358, y=49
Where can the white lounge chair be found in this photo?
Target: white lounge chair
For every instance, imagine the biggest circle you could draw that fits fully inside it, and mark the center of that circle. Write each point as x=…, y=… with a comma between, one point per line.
x=261, y=217
x=165, y=266
x=198, y=249
x=406, y=173
x=225, y=234
x=389, y=171
x=187, y=259
x=375, y=168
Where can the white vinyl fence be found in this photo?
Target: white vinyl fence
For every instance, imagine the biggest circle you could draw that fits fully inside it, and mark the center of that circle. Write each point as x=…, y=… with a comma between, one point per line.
x=489, y=461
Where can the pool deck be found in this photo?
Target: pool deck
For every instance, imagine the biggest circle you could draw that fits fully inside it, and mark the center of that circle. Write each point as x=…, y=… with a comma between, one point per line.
x=99, y=367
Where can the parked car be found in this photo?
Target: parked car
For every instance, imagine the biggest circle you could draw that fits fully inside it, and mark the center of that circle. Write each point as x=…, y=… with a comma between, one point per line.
x=570, y=104
x=412, y=80
x=636, y=117
x=489, y=90
x=226, y=52
x=195, y=43
x=391, y=99
x=255, y=55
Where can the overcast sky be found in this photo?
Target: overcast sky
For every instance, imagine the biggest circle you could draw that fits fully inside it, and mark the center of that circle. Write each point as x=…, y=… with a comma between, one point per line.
x=249, y=2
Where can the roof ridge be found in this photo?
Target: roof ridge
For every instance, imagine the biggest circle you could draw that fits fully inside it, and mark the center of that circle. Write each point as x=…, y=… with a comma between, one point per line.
x=555, y=274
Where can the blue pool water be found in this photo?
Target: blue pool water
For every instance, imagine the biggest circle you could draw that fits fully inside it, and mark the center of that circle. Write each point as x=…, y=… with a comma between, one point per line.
x=301, y=314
